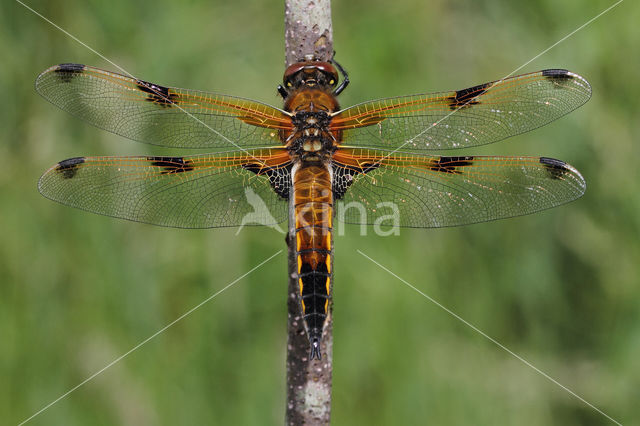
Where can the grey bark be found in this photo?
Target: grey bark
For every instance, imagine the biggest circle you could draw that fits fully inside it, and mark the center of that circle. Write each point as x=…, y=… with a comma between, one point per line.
x=307, y=30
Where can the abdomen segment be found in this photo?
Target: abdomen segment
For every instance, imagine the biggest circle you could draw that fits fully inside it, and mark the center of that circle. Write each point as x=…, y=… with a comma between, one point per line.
x=313, y=204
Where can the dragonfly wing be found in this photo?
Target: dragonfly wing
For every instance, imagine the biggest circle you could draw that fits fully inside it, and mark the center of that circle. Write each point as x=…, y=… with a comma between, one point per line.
x=435, y=191
x=200, y=191
x=474, y=116
x=160, y=115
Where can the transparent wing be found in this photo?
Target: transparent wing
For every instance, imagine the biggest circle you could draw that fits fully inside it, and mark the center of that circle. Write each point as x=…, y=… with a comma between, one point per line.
x=200, y=191
x=159, y=115
x=434, y=191
x=469, y=117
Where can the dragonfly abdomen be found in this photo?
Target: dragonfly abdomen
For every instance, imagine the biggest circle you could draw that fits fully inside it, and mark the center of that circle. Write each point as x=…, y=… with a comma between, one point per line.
x=313, y=204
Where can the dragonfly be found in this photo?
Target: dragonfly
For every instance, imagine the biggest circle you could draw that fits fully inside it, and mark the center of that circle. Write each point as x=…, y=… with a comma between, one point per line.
x=303, y=159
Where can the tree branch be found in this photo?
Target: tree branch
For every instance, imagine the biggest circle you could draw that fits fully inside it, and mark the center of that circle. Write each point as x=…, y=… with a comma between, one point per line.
x=308, y=31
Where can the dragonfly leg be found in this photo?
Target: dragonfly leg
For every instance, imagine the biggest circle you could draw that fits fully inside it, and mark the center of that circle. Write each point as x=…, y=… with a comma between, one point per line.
x=345, y=76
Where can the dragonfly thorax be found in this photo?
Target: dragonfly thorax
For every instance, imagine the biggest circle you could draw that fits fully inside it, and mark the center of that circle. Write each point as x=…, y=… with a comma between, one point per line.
x=311, y=140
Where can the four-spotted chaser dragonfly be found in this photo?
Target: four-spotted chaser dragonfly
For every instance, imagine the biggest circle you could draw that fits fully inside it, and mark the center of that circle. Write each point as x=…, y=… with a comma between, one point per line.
x=301, y=159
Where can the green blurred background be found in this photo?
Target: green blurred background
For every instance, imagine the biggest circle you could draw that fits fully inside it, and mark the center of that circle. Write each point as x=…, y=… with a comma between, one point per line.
x=560, y=288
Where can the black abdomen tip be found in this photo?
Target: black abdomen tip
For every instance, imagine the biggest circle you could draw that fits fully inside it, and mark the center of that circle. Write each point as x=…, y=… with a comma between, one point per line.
x=315, y=350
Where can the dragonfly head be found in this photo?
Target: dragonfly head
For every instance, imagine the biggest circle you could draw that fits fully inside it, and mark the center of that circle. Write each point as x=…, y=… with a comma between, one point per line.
x=310, y=74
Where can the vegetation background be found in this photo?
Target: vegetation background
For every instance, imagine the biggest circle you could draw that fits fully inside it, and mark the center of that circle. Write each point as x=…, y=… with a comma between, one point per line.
x=560, y=288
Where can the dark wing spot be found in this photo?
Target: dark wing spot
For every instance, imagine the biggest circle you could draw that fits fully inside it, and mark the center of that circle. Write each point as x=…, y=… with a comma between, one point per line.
x=171, y=164
x=557, y=74
x=279, y=177
x=67, y=72
x=467, y=97
x=556, y=168
x=68, y=168
x=367, y=167
x=157, y=94
x=450, y=164
x=343, y=176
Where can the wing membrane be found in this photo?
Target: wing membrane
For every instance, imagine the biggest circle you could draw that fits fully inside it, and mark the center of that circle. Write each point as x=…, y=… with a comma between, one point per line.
x=435, y=191
x=469, y=117
x=200, y=191
x=159, y=115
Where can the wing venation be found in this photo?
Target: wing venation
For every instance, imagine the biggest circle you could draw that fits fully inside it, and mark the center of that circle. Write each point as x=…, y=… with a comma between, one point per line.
x=478, y=115
x=439, y=191
x=200, y=191
x=159, y=115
